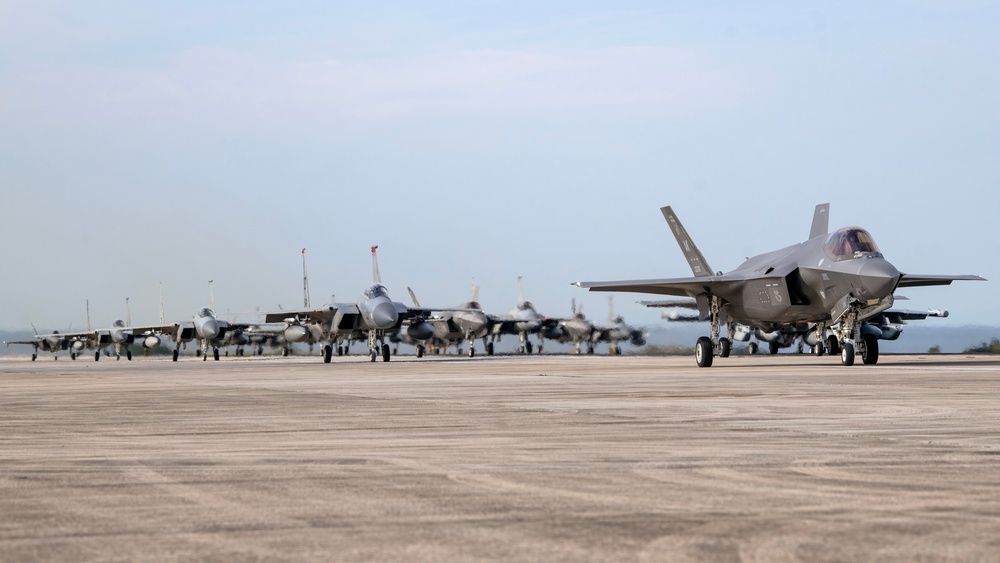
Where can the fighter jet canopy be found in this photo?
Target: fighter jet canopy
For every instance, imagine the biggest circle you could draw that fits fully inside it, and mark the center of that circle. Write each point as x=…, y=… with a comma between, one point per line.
x=376, y=290
x=850, y=242
x=206, y=312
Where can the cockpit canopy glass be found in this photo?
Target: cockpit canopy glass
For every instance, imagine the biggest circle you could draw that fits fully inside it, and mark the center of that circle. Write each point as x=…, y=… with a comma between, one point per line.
x=850, y=242
x=376, y=290
x=206, y=312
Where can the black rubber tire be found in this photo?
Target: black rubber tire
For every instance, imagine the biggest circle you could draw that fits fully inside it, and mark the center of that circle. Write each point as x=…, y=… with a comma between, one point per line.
x=773, y=347
x=215, y=354
x=527, y=346
x=128, y=355
x=97, y=356
x=725, y=347
x=420, y=351
x=176, y=354
x=327, y=354
x=847, y=354
x=703, y=352
x=385, y=353
x=833, y=345
x=819, y=349
x=869, y=354
x=34, y=357
x=753, y=348
x=489, y=348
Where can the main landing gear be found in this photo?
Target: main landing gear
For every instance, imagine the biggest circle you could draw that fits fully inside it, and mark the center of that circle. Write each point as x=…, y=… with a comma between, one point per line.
x=852, y=342
x=707, y=346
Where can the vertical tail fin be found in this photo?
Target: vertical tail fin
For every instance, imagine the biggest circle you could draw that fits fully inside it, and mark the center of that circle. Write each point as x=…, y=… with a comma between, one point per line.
x=305, y=281
x=161, y=303
x=475, y=290
x=520, y=290
x=694, y=257
x=821, y=221
x=377, y=277
x=211, y=296
x=128, y=313
x=611, y=308
x=413, y=297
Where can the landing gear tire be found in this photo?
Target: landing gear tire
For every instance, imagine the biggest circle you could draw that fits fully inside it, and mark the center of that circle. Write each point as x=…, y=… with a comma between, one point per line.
x=833, y=345
x=128, y=355
x=752, y=348
x=472, y=350
x=489, y=349
x=847, y=354
x=703, y=352
x=869, y=350
x=420, y=351
x=176, y=354
x=773, y=347
x=373, y=355
x=818, y=349
x=72, y=355
x=215, y=354
x=327, y=353
x=385, y=353
x=527, y=347
x=590, y=348
x=725, y=347
x=34, y=357
x=97, y=356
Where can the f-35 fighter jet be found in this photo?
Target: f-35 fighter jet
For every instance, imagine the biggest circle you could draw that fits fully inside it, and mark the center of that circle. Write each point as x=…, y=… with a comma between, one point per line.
x=839, y=278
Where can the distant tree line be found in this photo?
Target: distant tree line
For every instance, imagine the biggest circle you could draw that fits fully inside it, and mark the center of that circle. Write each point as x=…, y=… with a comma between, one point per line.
x=993, y=347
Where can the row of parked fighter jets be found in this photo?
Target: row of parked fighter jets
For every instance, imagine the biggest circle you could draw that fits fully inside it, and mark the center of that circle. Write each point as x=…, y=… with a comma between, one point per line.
x=374, y=318
x=834, y=292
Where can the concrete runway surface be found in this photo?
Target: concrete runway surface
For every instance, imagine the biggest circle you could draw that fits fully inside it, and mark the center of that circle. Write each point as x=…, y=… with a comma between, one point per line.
x=786, y=458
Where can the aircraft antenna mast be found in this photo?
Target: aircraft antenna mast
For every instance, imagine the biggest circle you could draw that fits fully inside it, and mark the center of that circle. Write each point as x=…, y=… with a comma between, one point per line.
x=305, y=280
x=378, y=278
x=211, y=296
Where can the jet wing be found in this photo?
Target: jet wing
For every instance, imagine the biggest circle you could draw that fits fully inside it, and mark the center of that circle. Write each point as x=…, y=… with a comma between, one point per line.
x=428, y=312
x=323, y=314
x=670, y=303
x=168, y=330
x=915, y=280
x=682, y=287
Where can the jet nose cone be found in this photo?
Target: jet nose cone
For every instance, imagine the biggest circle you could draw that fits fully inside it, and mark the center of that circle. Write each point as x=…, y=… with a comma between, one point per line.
x=210, y=329
x=879, y=278
x=384, y=315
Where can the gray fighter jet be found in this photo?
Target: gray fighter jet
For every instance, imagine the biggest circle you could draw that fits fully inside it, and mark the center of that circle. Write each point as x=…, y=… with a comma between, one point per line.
x=525, y=320
x=374, y=314
x=578, y=330
x=619, y=331
x=838, y=278
x=53, y=342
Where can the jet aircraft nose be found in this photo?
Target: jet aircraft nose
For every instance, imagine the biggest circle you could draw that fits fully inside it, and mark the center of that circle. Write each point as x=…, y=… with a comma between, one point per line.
x=210, y=329
x=384, y=315
x=878, y=277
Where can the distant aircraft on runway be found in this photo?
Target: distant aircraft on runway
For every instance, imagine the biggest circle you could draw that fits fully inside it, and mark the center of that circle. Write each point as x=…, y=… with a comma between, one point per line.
x=838, y=278
x=374, y=314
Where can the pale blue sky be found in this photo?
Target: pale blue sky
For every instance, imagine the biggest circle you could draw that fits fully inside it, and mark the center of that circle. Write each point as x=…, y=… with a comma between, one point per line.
x=177, y=142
